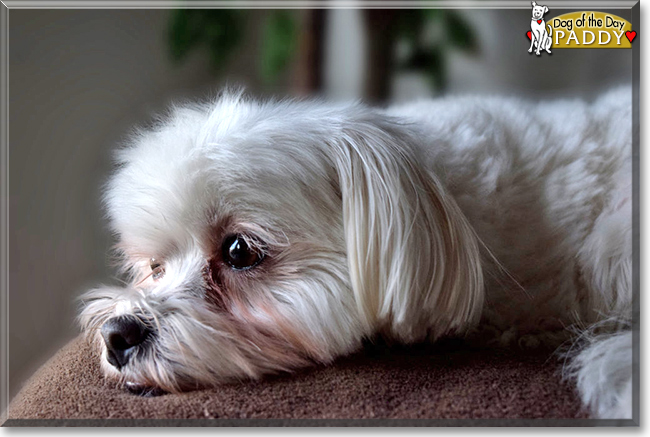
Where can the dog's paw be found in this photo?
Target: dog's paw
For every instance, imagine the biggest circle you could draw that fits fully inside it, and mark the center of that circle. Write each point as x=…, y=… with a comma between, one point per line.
x=603, y=374
x=530, y=50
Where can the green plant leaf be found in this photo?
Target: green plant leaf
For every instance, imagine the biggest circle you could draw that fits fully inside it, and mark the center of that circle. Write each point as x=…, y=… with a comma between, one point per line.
x=431, y=62
x=410, y=24
x=224, y=29
x=217, y=30
x=433, y=14
x=279, y=43
x=182, y=34
x=460, y=32
x=436, y=67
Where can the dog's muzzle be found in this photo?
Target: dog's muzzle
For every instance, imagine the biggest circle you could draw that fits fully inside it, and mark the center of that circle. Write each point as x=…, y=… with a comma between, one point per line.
x=123, y=336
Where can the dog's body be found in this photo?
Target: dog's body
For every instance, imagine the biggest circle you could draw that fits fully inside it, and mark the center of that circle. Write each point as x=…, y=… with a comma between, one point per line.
x=285, y=233
x=540, y=37
x=548, y=190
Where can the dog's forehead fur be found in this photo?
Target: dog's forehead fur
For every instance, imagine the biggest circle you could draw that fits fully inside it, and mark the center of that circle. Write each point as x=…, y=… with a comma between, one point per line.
x=217, y=155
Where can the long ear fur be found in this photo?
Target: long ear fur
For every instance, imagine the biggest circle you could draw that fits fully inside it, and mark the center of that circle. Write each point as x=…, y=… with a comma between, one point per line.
x=413, y=257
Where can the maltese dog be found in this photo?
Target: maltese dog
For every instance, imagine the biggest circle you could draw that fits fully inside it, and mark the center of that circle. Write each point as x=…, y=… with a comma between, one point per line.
x=259, y=237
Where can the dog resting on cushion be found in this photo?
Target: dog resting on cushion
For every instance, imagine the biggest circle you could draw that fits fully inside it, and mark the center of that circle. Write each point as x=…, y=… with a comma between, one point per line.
x=265, y=236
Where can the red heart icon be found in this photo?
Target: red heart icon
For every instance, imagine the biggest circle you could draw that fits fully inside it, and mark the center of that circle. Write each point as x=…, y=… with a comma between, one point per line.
x=539, y=21
x=529, y=34
x=630, y=35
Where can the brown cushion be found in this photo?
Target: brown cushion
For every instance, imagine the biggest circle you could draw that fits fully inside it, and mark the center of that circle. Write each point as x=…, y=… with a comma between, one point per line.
x=410, y=383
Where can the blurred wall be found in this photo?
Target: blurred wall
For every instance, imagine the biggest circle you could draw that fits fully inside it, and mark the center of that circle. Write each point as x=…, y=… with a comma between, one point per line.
x=80, y=79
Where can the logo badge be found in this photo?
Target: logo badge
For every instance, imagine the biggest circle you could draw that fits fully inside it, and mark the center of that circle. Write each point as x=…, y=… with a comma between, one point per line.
x=578, y=30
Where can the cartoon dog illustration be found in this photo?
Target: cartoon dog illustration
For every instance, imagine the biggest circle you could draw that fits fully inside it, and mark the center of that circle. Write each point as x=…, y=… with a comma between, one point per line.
x=539, y=37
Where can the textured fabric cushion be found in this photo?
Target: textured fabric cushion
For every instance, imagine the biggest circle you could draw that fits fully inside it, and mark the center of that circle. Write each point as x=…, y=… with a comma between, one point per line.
x=415, y=382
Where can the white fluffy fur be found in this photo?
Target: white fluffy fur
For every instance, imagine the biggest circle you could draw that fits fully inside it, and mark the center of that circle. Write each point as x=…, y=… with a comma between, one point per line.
x=459, y=216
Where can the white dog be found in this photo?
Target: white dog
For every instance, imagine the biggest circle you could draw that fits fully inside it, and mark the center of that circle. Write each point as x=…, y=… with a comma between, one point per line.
x=265, y=236
x=540, y=38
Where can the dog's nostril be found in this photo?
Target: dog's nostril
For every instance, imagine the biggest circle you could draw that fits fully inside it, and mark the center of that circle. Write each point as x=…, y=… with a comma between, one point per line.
x=122, y=334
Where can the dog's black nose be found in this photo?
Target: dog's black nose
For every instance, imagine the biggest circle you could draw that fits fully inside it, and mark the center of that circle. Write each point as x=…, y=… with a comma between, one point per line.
x=122, y=334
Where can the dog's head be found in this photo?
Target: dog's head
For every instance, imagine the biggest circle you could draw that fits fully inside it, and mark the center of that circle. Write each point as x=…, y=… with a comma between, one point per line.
x=259, y=237
x=538, y=11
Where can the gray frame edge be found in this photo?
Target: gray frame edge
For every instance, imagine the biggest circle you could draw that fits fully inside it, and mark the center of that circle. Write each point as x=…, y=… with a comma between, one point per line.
x=4, y=211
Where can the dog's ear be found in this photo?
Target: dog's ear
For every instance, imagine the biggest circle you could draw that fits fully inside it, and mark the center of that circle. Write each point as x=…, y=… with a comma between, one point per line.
x=534, y=4
x=413, y=257
x=545, y=9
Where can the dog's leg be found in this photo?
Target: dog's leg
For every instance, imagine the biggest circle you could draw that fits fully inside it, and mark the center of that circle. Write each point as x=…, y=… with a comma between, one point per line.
x=603, y=373
x=603, y=366
x=549, y=41
x=532, y=40
x=540, y=42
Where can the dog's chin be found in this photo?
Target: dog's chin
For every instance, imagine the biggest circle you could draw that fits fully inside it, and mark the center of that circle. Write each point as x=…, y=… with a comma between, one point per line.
x=133, y=384
x=143, y=390
x=130, y=381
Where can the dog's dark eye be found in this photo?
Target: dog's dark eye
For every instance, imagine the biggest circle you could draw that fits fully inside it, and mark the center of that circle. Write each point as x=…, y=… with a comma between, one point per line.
x=157, y=269
x=238, y=254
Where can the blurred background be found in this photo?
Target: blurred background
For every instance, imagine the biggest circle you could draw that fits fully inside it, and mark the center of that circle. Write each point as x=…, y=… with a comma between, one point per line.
x=81, y=79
